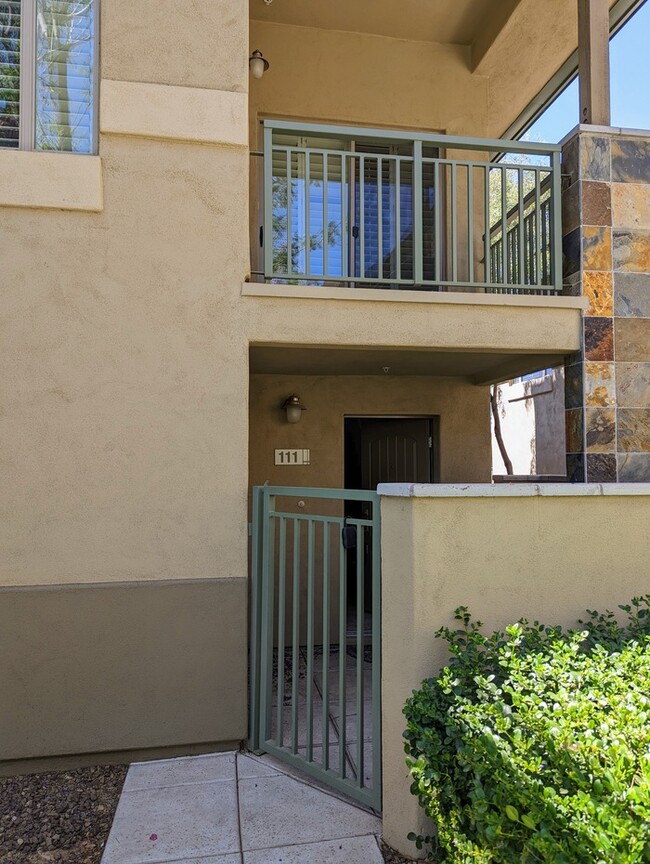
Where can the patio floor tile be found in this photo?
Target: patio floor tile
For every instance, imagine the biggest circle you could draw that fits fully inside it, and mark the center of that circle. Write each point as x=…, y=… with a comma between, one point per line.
x=175, y=772
x=268, y=803
x=173, y=823
x=351, y=850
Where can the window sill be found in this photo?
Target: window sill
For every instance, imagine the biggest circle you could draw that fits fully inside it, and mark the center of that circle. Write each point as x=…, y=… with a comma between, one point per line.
x=51, y=181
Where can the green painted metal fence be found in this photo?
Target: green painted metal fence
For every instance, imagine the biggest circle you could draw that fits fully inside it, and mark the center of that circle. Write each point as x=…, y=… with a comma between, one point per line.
x=380, y=208
x=315, y=673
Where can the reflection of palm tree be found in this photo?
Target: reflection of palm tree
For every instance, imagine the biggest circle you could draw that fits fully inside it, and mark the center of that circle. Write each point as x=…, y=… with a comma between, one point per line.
x=9, y=72
x=63, y=27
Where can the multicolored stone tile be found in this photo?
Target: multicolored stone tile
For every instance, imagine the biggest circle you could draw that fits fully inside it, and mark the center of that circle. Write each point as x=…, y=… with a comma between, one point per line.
x=596, y=206
x=574, y=430
x=633, y=385
x=630, y=160
x=571, y=253
x=600, y=390
x=632, y=339
x=600, y=427
x=598, y=286
x=575, y=467
x=630, y=205
x=594, y=158
x=599, y=338
x=570, y=207
x=632, y=295
x=633, y=467
x=633, y=430
x=631, y=250
x=573, y=380
x=570, y=161
x=596, y=248
x=601, y=468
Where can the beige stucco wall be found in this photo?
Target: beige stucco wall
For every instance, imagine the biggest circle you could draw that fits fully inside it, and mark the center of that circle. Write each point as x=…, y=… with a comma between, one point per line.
x=463, y=410
x=342, y=77
x=545, y=553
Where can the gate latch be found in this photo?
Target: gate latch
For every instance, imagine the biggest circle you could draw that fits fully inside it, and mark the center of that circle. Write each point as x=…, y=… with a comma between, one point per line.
x=348, y=535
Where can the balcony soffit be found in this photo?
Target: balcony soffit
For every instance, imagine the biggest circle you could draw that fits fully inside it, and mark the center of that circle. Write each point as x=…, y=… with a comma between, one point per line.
x=443, y=21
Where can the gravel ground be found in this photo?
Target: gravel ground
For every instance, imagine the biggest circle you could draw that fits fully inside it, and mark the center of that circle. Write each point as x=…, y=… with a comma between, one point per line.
x=58, y=816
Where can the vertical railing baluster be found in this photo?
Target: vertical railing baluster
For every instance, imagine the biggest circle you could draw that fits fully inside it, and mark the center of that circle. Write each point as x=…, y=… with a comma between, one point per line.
x=538, y=230
x=289, y=216
x=520, y=208
x=418, y=249
x=470, y=221
x=487, y=238
x=268, y=203
x=398, y=218
x=437, y=222
x=362, y=217
x=504, y=227
x=295, y=636
x=360, y=634
x=256, y=621
x=453, y=226
x=380, y=227
x=282, y=577
x=556, y=221
x=345, y=232
x=326, y=231
x=310, y=640
x=307, y=213
x=343, y=625
x=325, y=676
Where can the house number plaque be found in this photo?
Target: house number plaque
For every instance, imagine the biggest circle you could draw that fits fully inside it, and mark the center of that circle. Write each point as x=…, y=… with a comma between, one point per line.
x=292, y=457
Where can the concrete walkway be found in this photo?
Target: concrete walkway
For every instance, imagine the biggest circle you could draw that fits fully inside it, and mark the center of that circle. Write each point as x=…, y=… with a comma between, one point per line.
x=234, y=808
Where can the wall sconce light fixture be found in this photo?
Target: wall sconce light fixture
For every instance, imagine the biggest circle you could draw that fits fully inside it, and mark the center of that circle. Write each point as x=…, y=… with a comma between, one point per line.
x=258, y=64
x=294, y=408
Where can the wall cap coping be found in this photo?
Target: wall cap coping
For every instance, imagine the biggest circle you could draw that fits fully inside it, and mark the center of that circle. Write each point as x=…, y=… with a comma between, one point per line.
x=620, y=131
x=510, y=490
x=447, y=298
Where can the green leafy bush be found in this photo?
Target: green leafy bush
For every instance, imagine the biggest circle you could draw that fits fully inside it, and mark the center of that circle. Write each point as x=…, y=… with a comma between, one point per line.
x=533, y=744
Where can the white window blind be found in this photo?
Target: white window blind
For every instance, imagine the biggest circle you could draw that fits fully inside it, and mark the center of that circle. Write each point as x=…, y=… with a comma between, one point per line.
x=9, y=72
x=54, y=71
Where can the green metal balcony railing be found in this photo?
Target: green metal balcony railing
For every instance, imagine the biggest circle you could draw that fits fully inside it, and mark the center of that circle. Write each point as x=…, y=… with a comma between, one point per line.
x=377, y=208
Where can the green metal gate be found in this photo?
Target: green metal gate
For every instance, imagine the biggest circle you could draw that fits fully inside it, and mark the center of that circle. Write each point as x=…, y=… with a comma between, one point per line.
x=315, y=673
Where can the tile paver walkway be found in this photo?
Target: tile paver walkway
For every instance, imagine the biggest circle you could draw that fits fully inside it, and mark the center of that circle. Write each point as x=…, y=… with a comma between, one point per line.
x=235, y=808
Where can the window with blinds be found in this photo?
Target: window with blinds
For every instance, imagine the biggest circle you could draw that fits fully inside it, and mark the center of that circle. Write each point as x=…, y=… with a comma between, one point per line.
x=47, y=77
x=9, y=73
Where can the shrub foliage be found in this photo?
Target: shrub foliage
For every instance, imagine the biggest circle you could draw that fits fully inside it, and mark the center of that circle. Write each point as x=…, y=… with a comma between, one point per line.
x=533, y=744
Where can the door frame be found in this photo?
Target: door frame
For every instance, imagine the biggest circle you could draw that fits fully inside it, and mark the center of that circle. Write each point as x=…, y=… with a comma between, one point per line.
x=434, y=434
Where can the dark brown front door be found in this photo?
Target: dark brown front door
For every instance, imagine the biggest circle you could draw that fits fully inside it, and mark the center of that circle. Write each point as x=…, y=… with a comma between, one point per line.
x=388, y=450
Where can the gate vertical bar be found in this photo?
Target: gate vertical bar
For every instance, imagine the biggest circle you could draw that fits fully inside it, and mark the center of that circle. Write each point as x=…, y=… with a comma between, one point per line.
x=282, y=579
x=310, y=640
x=266, y=638
x=376, y=653
x=295, y=635
x=325, y=674
x=255, y=621
x=361, y=531
x=343, y=654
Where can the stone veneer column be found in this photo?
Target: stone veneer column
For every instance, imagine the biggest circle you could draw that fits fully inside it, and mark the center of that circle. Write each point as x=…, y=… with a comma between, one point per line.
x=606, y=246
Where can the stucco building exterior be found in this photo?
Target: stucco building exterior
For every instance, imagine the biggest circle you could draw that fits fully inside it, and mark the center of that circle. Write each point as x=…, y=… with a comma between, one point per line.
x=150, y=338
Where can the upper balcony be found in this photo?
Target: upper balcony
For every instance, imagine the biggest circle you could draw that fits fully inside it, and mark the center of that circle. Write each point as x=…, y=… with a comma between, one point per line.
x=359, y=208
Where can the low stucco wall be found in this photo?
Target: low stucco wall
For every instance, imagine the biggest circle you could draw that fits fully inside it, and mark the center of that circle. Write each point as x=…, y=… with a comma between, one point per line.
x=543, y=552
x=97, y=669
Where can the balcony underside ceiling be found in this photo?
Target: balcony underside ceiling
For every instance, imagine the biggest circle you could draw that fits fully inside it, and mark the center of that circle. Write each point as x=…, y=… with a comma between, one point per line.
x=447, y=21
x=478, y=367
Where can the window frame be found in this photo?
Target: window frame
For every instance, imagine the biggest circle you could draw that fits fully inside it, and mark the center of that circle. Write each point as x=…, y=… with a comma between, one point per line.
x=27, y=109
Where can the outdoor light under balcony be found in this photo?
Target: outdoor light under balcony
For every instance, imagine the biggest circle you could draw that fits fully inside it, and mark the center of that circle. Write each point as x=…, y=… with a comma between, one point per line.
x=258, y=64
x=294, y=408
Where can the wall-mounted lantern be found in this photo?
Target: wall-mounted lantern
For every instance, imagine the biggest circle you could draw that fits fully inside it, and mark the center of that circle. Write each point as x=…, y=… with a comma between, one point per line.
x=294, y=408
x=258, y=64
